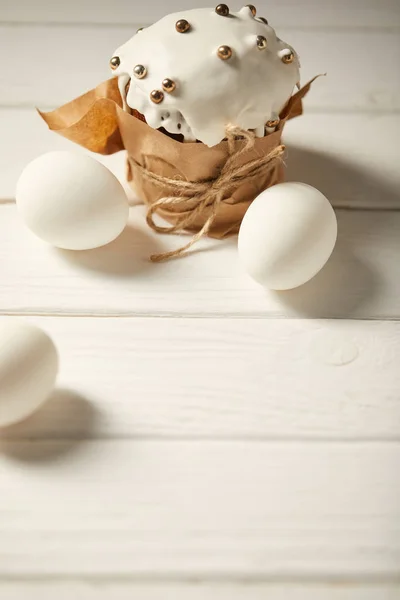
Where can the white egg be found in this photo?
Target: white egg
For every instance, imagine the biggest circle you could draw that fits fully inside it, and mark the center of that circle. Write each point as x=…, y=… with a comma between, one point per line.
x=72, y=201
x=287, y=235
x=28, y=370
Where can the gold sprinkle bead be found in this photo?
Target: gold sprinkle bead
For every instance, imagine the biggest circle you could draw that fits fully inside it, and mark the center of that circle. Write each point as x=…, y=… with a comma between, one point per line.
x=261, y=42
x=140, y=72
x=272, y=124
x=253, y=9
x=182, y=26
x=157, y=96
x=222, y=10
x=140, y=29
x=225, y=52
x=288, y=58
x=169, y=85
x=115, y=62
x=264, y=20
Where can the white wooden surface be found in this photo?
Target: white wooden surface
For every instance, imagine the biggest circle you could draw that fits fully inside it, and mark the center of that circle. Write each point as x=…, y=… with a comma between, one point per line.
x=357, y=14
x=104, y=590
x=195, y=509
x=208, y=439
x=216, y=378
x=362, y=279
x=59, y=75
x=350, y=167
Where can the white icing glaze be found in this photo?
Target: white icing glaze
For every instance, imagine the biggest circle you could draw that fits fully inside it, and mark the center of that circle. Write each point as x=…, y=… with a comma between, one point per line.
x=247, y=90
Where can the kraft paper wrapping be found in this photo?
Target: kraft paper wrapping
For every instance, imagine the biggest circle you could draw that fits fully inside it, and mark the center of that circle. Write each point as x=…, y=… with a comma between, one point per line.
x=97, y=122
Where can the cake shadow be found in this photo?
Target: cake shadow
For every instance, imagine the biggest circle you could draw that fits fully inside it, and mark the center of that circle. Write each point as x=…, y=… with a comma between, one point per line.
x=342, y=182
x=347, y=284
x=63, y=424
x=126, y=256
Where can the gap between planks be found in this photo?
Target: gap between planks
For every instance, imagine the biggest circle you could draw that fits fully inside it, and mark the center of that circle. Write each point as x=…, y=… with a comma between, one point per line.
x=195, y=438
x=175, y=317
x=332, y=152
x=308, y=13
x=311, y=110
x=340, y=89
x=126, y=589
x=237, y=381
x=129, y=28
x=352, y=582
x=361, y=280
x=220, y=510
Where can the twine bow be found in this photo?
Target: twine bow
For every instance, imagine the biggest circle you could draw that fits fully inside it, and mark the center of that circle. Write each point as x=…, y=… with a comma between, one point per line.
x=208, y=194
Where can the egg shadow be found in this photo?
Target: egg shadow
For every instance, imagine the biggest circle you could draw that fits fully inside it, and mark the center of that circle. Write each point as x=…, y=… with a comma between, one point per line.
x=62, y=425
x=347, y=284
x=126, y=256
x=339, y=290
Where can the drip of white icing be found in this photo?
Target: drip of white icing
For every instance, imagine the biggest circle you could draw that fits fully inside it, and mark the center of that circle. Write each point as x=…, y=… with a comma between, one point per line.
x=247, y=90
x=123, y=81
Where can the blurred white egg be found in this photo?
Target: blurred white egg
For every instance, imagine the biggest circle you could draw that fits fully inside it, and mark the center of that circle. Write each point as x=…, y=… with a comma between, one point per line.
x=28, y=370
x=72, y=201
x=287, y=235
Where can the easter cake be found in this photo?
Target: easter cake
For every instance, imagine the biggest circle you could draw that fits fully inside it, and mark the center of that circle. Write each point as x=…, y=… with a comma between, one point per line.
x=194, y=72
x=199, y=101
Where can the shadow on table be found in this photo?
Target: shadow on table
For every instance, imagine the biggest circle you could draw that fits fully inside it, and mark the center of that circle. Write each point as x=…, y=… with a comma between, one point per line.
x=62, y=425
x=346, y=283
x=343, y=286
x=341, y=181
x=341, y=289
x=128, y=255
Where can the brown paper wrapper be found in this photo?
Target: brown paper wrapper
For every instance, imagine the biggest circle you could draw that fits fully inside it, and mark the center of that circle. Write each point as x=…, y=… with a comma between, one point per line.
x=97, y=122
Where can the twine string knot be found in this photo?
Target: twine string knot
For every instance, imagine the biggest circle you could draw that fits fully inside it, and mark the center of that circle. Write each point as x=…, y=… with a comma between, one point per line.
x=206, y=195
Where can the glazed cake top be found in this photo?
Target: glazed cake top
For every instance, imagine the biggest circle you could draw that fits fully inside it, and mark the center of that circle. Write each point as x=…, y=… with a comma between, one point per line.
x=196, y=71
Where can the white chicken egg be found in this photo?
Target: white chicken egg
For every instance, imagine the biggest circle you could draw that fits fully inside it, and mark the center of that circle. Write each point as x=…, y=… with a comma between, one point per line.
x=28, y=370
x=287, y=235
x=72, y=201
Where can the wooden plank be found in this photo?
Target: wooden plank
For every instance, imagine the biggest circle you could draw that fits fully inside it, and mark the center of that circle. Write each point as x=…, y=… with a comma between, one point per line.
x=330, y=151
x=352, y=159
x=24, y=136
x=231, y=379
x=308, y=13
x=103, y=590
x=79, y=60
x=361, y=280
x=226, y=509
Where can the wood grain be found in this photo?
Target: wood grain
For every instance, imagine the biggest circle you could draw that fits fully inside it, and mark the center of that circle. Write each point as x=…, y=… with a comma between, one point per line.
x=228, y=509
x=361, y=280
x=79, y=60
x=235, y=455
x=331, y=152
x=104, y=590
x=307, y=13
x=24, y=136
x=214, y=379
